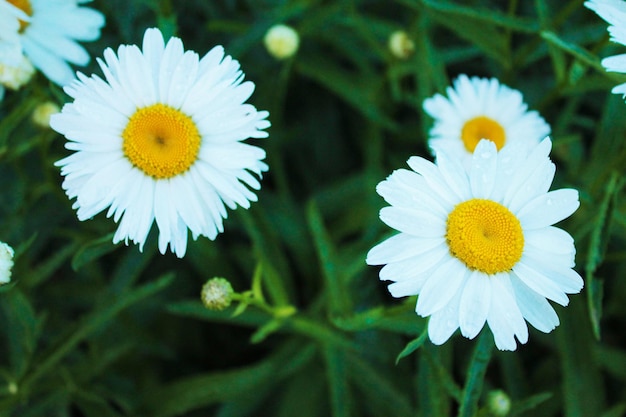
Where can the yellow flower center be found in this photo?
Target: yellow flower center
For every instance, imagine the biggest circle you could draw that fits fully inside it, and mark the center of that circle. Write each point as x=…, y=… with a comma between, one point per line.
x=161, y=141
x=23, y=5
x=485, y=236
x=482, y=127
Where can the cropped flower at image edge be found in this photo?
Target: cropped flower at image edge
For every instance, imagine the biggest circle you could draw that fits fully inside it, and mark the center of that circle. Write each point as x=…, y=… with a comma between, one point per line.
x=49, y=36
x=159, y=140
x=613, y=12
x=478, y=246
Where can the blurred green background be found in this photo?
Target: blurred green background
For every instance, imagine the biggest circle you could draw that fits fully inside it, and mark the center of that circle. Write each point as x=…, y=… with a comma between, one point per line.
x=97, y=330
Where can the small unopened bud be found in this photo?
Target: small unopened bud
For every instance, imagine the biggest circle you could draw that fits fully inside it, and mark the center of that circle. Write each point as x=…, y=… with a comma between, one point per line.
x=6, y=263
x=281, y=41
x=12, y=388
x=41, y=114
x=400, y=45
x=498, y=403
x=15, y=76
x=217, y=294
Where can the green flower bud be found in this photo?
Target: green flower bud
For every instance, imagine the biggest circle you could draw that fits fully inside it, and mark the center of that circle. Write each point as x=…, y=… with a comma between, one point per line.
x=216, y=294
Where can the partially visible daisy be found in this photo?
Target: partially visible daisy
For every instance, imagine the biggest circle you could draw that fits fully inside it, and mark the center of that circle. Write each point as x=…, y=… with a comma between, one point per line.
x=478, y=246
x=10, y=46
x=6, y=263
x=481, y=108
x=50, y=36
x=161, y=140
x=613, y=12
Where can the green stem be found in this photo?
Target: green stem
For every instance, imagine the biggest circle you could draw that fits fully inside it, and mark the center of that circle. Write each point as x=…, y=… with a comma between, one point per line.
x=476, y=375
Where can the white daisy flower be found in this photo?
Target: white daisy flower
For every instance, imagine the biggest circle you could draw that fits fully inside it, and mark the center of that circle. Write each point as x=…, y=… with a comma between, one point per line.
x=479, y=246
x=49, y=37
x=613, y=12
x=160, y=140
x=481, y=108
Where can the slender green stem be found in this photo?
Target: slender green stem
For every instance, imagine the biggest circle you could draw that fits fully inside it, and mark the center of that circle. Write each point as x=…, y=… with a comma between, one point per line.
x=476, y=375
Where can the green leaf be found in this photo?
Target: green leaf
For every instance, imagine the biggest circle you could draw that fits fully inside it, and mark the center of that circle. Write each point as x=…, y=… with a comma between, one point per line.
x=357, y=90
x=413, y=345
x=597, y=248
x=22, y=328
x=469, y=24
x=192, y=393
x=95, y=320
x=272, y=259
x=582, y=381
x=434, y=383
x=572, y=49
x=379, y=395
x=338, y=294
x=530, y=403
x=399, y=319
x=93, y=250
x=486, y=15
x=267, y=329
x=92, y=405
x=340, y=400
x=46, y=268
x=618, y=411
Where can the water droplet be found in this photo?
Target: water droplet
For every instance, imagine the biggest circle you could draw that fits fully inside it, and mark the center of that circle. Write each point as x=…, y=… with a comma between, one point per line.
x=486, y=155
x=549, y=201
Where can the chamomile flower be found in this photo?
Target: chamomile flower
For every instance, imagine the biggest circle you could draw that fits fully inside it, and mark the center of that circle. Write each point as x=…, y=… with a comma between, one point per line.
x=481, y=108
x=160, y=139
x=614, y=13
x=50, y=35
x=478, y=245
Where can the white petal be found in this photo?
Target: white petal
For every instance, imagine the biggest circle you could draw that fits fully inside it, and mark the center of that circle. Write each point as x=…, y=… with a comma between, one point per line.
x=540, y=283
x=535, y=308
x=483, y=169
x=442, y=285
x=475, y=304
x=548, y=209
x=398, y=248
x=444, y=322
x=414, y=222
x=415, y=266
x=505, y=319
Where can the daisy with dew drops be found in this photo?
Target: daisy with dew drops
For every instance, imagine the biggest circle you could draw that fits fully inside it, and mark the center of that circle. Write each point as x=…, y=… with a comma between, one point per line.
x=478, y=245
x=481, y=108
x=159, y=139
x=614, y=13
x=50, y=35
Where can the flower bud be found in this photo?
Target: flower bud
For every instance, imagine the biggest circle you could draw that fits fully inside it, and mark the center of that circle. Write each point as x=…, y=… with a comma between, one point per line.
x=6, y=262
x=281, y=41
x=400, y=45
x=15, y=76
x=498, y=403
x=41, y=114
x=217, y=294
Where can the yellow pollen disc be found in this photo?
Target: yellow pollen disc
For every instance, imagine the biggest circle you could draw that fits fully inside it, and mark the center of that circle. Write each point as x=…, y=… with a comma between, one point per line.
x=482, y=127
x=161, y=141
x=485, y=236
x=23, y=5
